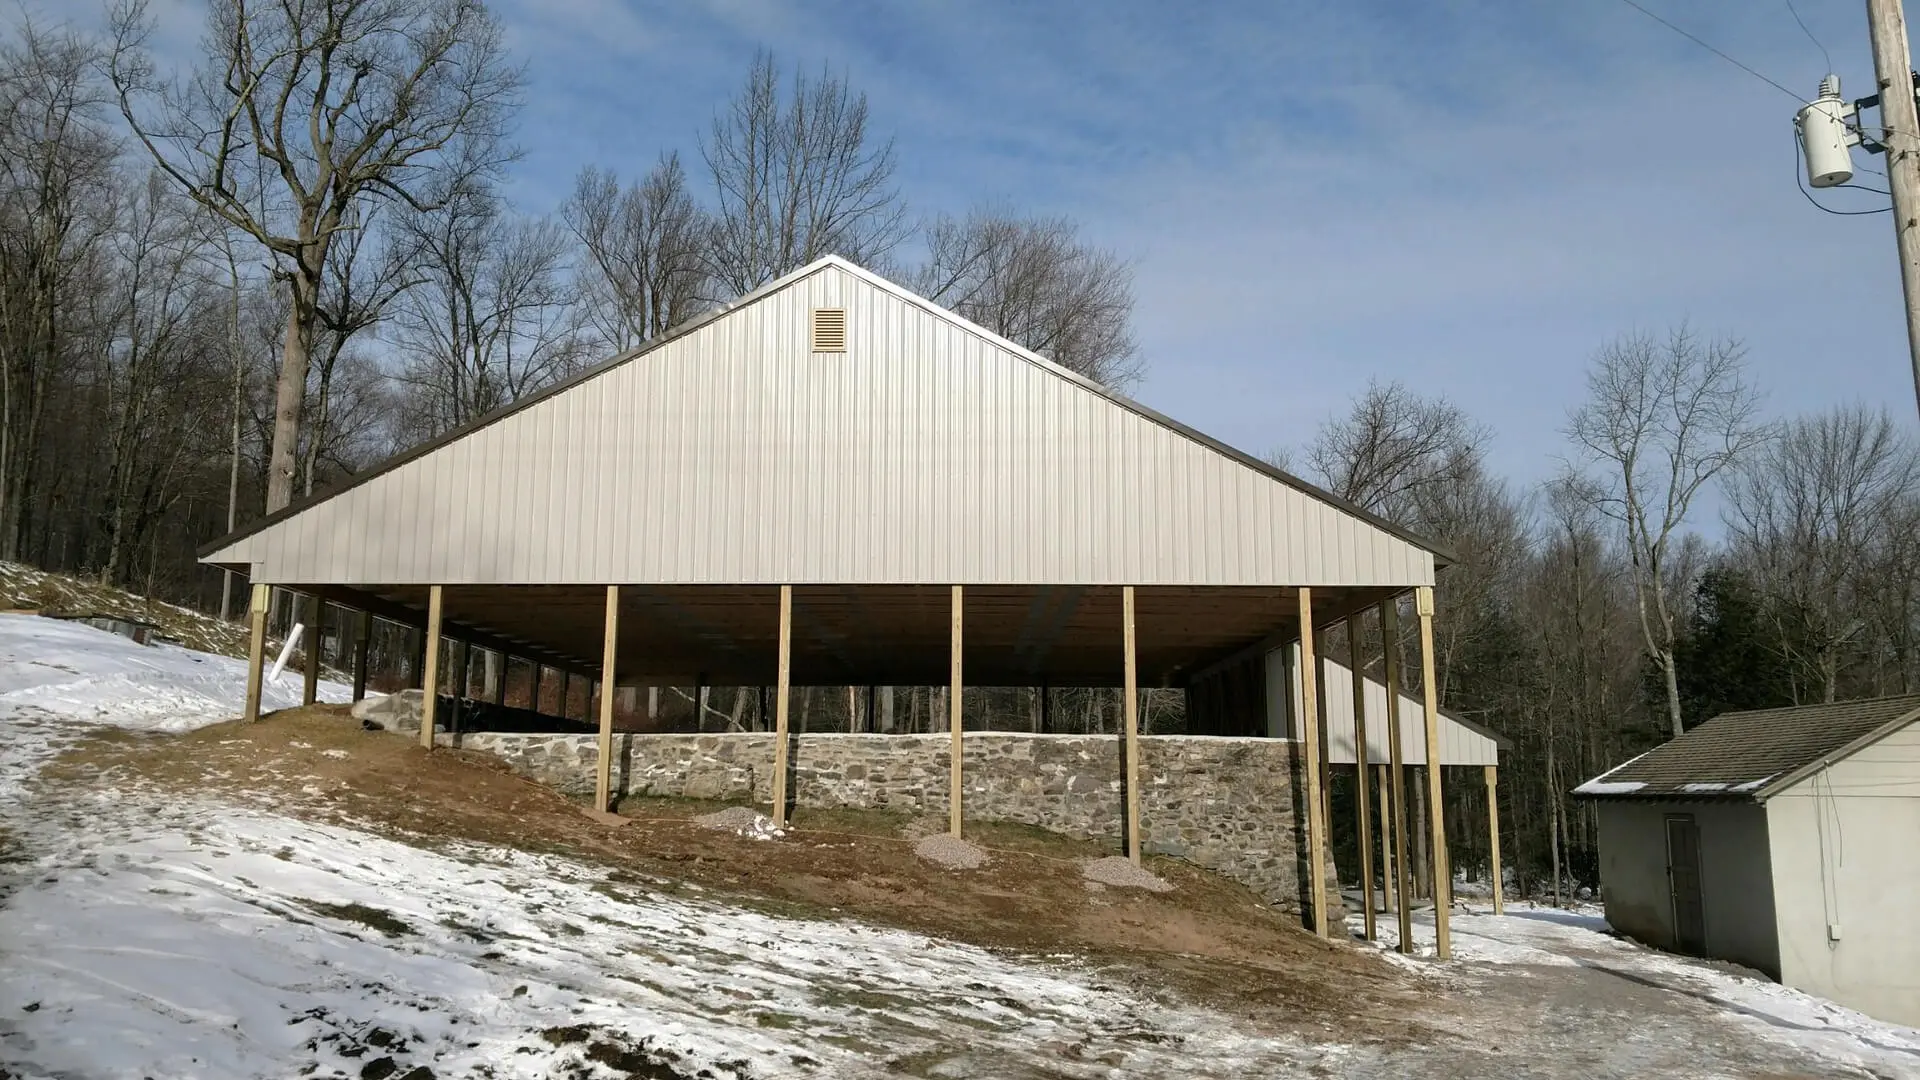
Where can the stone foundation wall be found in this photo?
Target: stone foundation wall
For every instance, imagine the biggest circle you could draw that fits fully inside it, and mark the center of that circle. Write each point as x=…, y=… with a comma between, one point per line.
x=1226, y=804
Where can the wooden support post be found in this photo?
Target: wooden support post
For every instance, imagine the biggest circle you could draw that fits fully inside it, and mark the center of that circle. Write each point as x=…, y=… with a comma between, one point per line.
x=257, y=607
x=430, y=667
x=533, y=686
x=1493, y=839
x=362, y=646
x=500, y=680
x=699, y=703
x=1396, y=772
x=310, y=668
x=783, y=692
x=1363, y=799
x=1386, y=844
x=1310, y=733
x=566, y=689
x=418, y=638
x=953, y=717
x=1436, y=809
x=1133, y=726
x=609, y=680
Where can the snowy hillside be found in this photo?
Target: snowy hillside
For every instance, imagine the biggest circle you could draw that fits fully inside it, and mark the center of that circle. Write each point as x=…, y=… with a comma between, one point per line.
x=199, y=939
x=148, y=934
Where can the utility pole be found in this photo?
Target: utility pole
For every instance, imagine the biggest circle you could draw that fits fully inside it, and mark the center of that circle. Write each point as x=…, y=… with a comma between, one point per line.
x=1893, y=71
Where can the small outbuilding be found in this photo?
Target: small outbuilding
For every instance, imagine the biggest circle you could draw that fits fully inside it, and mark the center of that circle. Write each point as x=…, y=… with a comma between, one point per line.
x=1781, y=839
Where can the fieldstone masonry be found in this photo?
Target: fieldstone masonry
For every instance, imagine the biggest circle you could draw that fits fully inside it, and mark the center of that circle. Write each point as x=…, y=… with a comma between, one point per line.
x=1226, y=804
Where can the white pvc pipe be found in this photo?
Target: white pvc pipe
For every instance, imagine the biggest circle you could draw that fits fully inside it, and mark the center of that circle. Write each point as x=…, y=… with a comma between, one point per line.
x=293, y=638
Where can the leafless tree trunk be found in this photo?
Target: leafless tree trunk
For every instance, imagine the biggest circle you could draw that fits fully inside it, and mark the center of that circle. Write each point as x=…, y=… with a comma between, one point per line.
x=303, y=114
x=1663, y=419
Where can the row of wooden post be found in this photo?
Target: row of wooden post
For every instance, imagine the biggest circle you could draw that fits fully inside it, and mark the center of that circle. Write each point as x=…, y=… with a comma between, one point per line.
x=428, y=661
x=1392, y=808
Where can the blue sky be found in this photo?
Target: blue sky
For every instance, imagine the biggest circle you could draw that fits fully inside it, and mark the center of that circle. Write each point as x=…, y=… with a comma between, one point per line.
x=1467, y=196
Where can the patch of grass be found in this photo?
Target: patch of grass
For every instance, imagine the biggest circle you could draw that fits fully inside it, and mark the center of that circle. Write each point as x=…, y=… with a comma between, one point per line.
x=888, y=823
x=568, y=1035
x=778, y=1021
x=372, y=918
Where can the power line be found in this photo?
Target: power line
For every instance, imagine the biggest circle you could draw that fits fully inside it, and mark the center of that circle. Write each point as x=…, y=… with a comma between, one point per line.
x=1697, y=41
x=1824, y=55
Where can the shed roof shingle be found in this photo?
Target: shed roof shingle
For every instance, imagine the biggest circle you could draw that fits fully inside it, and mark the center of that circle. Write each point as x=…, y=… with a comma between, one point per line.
x=1739, y=755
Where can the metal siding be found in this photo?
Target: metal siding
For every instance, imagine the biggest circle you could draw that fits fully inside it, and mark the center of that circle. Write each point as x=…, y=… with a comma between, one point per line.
x=925, y=453
x=1459, y=744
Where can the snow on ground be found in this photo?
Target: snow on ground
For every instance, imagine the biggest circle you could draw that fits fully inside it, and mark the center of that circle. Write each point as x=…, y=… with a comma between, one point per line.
x=178, y=937
x=214, y=941
x=58, y=677
x=1543, y=936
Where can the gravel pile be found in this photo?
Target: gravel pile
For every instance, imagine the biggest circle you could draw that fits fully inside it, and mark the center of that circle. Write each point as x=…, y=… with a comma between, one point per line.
x=741, y=821
x=1120, y=872
x=951, y=852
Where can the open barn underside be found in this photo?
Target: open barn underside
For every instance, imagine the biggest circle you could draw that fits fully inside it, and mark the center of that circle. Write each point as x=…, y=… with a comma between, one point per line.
x=855, y=635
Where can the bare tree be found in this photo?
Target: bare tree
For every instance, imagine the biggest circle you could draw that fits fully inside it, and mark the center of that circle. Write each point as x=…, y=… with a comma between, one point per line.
x=366, y=271
x=645, y=246
x=492, y=317
x=797, y=176
x=326, y=106
x=162, y=311
x=1392, y=447
x=1034, y=282
x=56, y=162
x=1806, y=515
x=1662, y=419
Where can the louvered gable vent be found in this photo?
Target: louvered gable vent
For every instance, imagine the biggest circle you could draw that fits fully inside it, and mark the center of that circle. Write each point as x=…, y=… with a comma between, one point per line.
x=829, y=329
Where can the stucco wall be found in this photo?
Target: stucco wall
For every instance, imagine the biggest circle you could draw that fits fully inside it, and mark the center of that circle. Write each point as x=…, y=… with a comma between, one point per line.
x=1844, y=852
x=1227, y=804
x=1736, y=880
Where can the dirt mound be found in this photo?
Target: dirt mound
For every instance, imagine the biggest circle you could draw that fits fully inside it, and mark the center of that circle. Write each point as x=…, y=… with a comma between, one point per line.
x=1122, y=873
x=741, y=821
x=950, y=851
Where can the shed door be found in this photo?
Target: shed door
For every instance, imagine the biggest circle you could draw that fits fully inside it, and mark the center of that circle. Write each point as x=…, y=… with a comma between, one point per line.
x=1683, y=881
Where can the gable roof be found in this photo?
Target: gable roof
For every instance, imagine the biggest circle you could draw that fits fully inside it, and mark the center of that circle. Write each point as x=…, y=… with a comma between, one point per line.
x=1749, y=756
x=235, y=549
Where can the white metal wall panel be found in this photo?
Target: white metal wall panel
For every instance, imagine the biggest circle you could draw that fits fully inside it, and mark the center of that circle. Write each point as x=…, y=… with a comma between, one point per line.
x=928, y=452
x=1459, y=744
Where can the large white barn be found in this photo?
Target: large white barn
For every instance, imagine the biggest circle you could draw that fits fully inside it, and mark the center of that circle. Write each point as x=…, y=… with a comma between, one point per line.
x=833, y=481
